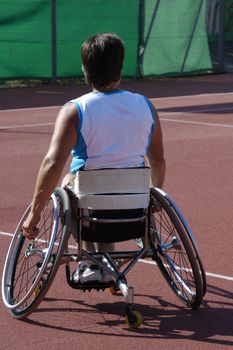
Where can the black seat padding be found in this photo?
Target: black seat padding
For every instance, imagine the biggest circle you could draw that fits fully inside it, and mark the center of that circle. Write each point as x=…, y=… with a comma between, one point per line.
x=117, y=231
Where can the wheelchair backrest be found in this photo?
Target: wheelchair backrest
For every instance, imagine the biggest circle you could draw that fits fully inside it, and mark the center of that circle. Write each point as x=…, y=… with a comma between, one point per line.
x=113, y=189
x=113, y=202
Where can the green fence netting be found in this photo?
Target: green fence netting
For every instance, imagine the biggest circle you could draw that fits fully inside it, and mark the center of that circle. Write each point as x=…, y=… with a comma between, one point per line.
x=25, y=38
x=177, y=41
x=78, y=19
x=228, y=20
x=42, y=38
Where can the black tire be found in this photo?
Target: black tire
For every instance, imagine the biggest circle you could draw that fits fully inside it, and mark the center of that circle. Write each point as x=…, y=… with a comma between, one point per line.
x=191, y=239
x=31, y=266
x=174, y=252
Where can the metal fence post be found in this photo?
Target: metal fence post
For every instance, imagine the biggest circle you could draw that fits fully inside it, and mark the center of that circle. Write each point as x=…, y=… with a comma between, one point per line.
x=191, y=38
x=221, y=36
x=144, y=39
x=141, y=25
x=54, y=41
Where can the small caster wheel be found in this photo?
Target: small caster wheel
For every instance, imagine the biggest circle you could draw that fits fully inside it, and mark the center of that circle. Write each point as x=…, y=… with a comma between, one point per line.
x=113, y=290
x=134, y=319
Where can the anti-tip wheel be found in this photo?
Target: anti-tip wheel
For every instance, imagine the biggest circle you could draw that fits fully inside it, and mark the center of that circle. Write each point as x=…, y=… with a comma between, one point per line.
x=113, y=290
x=38, y=288
x=134, y=319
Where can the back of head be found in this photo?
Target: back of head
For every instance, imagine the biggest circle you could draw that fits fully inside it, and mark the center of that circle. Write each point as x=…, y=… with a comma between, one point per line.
x=102, y=57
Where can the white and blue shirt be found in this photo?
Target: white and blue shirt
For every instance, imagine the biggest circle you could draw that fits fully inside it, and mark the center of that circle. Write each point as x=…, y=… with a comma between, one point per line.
x=114, y=130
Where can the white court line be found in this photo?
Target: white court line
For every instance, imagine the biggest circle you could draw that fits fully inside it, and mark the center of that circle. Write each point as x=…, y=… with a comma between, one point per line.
x=196, y=111
x=196, y=123
x=6, y=234
x=161, y=114
x=154, y=98
x=210, y=274
x=24, y=126
x=190, y=96
x=28, y=109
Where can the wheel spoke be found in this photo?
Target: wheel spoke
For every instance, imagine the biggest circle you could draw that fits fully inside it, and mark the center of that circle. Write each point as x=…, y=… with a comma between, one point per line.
x=31, y=262
x=175, y=255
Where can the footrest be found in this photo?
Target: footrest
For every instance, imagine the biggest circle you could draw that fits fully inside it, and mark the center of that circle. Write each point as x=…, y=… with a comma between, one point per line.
x=87, y=286
x=91, y=285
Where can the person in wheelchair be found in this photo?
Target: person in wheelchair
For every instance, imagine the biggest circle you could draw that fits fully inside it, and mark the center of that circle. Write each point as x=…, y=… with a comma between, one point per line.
x=106, y=128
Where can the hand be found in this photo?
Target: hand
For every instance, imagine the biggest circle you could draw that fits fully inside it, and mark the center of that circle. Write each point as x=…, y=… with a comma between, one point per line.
x=30, y=230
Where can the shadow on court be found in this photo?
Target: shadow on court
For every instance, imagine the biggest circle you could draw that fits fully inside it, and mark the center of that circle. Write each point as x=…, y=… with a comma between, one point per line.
x=213, y=108
x=163, y=320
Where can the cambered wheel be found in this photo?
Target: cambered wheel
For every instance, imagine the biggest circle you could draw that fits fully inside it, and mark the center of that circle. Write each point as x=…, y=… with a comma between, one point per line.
x=30, y=266
x=175, y=252
x=189, y=236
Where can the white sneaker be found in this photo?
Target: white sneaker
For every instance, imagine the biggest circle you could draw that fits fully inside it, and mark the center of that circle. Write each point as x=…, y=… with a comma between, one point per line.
x=86, y=273
x=107, y=277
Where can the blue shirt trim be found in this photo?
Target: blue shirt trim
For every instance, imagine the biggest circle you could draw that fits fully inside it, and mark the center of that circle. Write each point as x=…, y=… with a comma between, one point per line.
x=80, y=114
x=108, y=93
x=79, y=152
x=153, y=114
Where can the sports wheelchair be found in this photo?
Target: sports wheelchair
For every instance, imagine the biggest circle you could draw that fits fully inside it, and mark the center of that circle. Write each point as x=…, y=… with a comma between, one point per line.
x=108, y=205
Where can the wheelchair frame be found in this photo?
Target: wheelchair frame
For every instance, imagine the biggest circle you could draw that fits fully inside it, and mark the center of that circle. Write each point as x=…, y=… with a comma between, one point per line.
x=167, y=237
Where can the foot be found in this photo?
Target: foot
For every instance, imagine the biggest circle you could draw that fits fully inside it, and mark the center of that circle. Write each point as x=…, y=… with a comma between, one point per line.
x=107, y=277
x=87, y=273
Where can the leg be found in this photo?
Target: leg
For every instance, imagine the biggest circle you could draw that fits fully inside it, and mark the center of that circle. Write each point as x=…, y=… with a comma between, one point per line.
x=87, y=271
x=105, y=247
x=68, y=180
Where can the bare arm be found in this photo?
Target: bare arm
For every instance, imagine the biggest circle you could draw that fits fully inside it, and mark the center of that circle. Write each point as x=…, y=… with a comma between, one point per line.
x=155, y=156
x=63, y=139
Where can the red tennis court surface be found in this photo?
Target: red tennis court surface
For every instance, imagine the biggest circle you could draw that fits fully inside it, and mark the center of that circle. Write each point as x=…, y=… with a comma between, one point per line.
x=197, y=120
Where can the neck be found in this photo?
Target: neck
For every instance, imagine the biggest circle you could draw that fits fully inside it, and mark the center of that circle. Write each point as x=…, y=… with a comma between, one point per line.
x=109, y=88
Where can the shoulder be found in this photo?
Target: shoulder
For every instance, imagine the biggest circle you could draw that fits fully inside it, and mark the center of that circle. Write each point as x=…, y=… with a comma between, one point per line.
x=142, y=99
x=83, y=98
x=139, y=97
x=68, y=111
x=68, y=115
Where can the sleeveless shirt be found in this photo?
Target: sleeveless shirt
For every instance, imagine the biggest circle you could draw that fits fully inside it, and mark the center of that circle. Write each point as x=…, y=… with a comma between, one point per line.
x=114, y=130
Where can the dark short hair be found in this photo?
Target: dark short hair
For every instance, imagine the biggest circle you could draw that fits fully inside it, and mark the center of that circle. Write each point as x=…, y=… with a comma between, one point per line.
x=102, y=58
